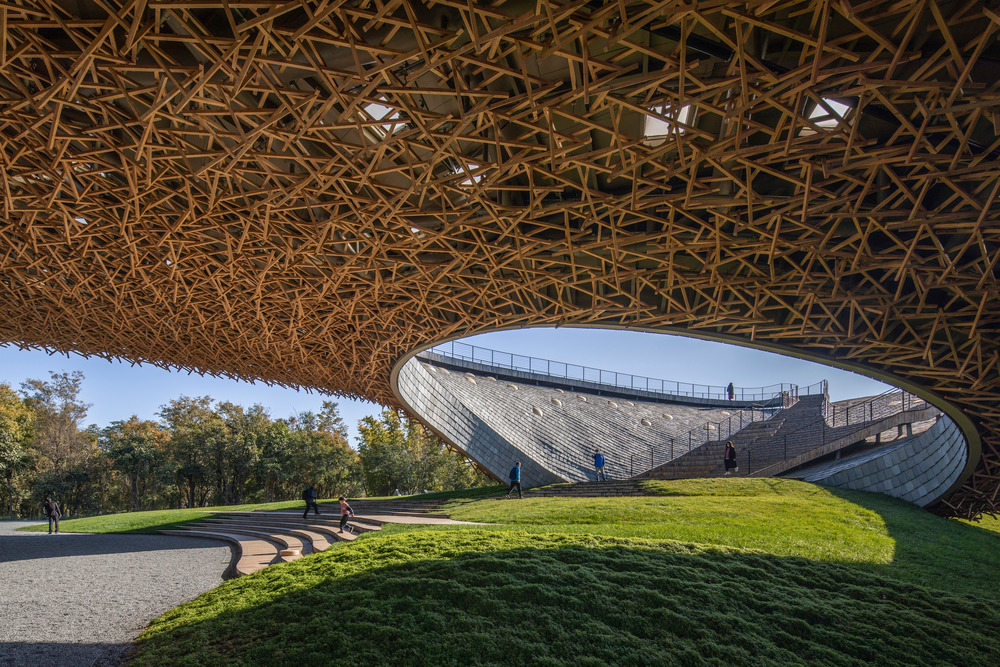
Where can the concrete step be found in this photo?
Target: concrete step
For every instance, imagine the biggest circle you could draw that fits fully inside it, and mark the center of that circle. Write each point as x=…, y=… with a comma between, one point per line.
x=248, y=554
x=295, y=519
x=322, y=524
x=287, y=542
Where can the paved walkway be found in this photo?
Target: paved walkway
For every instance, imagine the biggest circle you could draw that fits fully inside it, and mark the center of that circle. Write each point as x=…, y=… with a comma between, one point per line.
x=80, y=600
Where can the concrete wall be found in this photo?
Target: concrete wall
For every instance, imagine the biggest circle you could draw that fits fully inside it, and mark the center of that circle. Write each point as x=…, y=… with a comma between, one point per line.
x=919, y=469
x=552, y=431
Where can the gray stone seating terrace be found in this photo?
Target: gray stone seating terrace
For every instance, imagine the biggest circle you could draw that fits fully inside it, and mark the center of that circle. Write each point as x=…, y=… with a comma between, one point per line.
x=249, y=554
x=612, y=489
x=257, y=538
x=919, y=468
x=559, y=429
x=764, y=447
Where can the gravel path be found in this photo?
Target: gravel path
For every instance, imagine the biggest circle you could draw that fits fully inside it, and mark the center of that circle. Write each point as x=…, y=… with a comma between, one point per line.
x=80, y=600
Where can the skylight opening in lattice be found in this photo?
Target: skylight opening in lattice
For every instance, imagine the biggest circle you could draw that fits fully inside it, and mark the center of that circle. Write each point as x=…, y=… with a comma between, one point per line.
x=380, y=112
x=668, y=120
x=471, y=178
x=828, y=114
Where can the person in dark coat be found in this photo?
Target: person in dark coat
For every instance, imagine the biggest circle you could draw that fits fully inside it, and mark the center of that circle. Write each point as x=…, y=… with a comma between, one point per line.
x=730, y=457
x=51, y=510
x=309, y=495
x=515, y=480
x=731, y=390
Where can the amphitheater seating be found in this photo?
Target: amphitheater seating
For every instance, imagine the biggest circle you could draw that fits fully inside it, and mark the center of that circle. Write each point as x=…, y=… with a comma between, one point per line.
x=257, y=539
x=799, y=434
x=560, y=427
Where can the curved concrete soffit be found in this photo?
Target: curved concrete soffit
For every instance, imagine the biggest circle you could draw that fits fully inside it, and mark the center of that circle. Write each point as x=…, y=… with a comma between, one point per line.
x=972, y=438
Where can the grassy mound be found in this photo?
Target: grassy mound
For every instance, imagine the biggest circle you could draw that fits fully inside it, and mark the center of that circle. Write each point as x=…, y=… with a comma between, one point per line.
x=486, y=597
x=701, y=572
x=781, y=517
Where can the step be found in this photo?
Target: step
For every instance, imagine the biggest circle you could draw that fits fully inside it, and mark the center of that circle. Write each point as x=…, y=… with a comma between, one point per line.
x=249, y=555
x=362, y=523
x=391, y=511
x=328, y=527
x=288, y=542
x=286, y=519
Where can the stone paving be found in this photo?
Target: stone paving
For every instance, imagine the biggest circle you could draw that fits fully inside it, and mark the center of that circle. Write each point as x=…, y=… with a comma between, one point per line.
x=77, y=599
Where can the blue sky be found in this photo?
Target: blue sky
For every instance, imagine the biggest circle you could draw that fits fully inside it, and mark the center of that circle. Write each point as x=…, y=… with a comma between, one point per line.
x=118, y=390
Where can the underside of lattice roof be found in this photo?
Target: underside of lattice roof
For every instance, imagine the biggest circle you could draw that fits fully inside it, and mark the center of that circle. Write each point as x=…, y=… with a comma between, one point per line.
x=306, y=192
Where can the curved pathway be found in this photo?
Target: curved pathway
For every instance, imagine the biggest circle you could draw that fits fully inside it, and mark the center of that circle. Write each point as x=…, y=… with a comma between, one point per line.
x=81, y=599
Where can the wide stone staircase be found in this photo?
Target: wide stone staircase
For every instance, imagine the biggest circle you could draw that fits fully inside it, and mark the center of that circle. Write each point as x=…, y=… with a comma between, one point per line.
x=811, y=428
x=614, y=488
x=264, y=537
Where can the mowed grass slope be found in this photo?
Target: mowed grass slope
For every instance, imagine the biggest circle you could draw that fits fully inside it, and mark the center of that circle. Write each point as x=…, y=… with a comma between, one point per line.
x=711, y=572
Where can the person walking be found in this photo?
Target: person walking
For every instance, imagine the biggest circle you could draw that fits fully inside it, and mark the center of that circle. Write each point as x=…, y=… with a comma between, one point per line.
x=730, y=458
x=346, y=512
x=51, y=509
x=599, y=466
x=515, y=480
x=731, y=390
x=309, y=495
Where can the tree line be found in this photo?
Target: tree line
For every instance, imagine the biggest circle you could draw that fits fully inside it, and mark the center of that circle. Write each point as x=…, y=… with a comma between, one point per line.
x=201, y=452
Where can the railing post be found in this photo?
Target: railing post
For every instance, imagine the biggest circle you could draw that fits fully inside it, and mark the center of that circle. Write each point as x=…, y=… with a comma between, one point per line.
x=671, y=448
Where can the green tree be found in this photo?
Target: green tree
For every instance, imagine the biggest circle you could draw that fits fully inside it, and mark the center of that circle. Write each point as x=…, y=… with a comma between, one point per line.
x=320, y=453
x=385, y=461
x=197, y=431
x=399, y=453
x=59, y=415
x=16, y=428
x=136, y=449
x=246, y=432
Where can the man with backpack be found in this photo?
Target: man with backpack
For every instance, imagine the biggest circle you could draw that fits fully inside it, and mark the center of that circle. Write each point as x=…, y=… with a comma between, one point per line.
x=309, y=495
x=515, y=480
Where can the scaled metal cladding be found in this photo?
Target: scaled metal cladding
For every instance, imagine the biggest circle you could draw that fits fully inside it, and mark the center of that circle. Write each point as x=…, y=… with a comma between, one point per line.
x=306, y=192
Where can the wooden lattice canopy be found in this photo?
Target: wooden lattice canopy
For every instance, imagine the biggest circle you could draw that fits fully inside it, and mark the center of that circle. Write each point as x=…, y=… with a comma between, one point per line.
x=304, y=192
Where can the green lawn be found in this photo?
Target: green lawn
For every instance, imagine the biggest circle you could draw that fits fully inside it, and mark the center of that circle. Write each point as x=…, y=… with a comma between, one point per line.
x=486, y=597
x=699, y=572
x=780, y=517
x=154, y=520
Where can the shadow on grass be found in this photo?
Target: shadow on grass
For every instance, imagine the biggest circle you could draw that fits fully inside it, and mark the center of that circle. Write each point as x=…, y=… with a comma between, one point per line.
x=482, y=598
x=933, y=551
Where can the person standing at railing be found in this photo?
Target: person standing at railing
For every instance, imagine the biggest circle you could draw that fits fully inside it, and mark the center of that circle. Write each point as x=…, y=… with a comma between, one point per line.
x=515, y=480
x=599, y=466
x=731, y=390
x=730, y=458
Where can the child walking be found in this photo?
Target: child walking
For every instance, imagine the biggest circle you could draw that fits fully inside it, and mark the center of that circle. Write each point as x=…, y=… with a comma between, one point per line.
x=345, y=513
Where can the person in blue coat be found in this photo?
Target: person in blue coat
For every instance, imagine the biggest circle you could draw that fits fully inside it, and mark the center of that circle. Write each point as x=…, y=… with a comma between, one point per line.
x=599, y=465
x=515, y=480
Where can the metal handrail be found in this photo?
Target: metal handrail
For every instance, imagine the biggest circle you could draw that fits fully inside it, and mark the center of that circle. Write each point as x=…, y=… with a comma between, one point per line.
x=473, y=353
x=887, y=404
